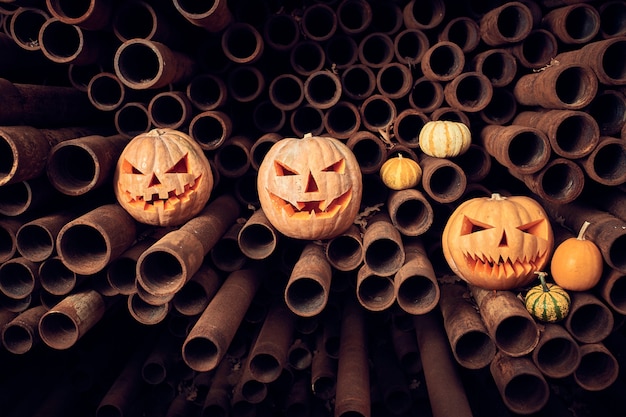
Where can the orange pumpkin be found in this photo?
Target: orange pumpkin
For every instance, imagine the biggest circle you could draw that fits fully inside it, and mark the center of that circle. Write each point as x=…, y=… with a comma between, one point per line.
x=577, y=263
x=310, y=188
x=163, y=178
x=399, y=173
x=497, y=243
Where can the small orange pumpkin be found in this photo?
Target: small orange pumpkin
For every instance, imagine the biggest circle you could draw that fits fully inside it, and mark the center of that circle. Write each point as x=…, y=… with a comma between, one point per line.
x=497, y=243
x=163, y=178
x=399, y=173
x=444, y=139
x=577, y=263
x=310, y=188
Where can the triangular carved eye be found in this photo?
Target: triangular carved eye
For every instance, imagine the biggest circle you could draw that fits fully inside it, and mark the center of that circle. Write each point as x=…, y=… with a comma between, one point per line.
x=180, y=167
x=128, y=168
x=535, y=228
x=470, y=226
x=282, y=170
x=338, y=167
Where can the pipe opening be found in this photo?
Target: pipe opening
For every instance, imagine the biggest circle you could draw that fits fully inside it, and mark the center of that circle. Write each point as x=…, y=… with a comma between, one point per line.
x=358, y=82
x=245, y=83
x=410, y=46
x=208, y=130
x=516, y=334
x=394, y=81
x=427, y=12
x=502, y=108
x=590, y=320
x=307, y=119
x=538, y=48
x=526, y=390
x=299, y=358
x=369, y=154
x=35, y=242
x=376, y=50
x=320, y=22
x=16, y=280
x=287, y=91
x=306, y=296
x=378, y=112
x=513, y=22
x=138, y=63
x=200, y=353
x=61, y=41
x=7, y=244
x=191, y=299
x=376, y=292
x=342, y=119
x=498, y=66
x=121, y=274
x=557, y=356
x=341, y=51
x=617, y=294
x=322, y=90
x=344, y=250
x=324, y=387
x=226, y=255
x=82, y=247
x=253, y=391
x=613, y=61
x=193, y=7
x=167, y=111
x=575, y=132
x=582, y=23
x=445, y=61
x=241, y=42
x=417, y=291
x=307, y=57
x=58, y=330
x=281, y=31
x=616, y=252
x=72, y=168
x=571, y=86
x=445, y=179
x=463, y=33
x=473, y=347
x=413, y=216
x=257, y=240
x=386, y=17
x=109, y=410
x=17, y=339
x=596, y=369
x=160, y=271
x=559, y=181
x=613, y=19
x=354, y=15
x=426, y=95
x=265, y=367
x=267, y=117
x=398, y=401
x=232, y=158
x=25, y=27
x=134, y=20
x=408, y=127
x=69, y=8
x=608, y=110
x=106, y=92
x=384, y=255
x=527, y=149
x=132, y=119
x=473, y=92
x=8, y=164
x=206, y=92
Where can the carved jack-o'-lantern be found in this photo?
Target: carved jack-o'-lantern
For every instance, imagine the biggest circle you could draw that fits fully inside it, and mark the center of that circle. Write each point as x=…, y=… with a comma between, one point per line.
x=310, y=188
x=497, y=243
x=163, y=178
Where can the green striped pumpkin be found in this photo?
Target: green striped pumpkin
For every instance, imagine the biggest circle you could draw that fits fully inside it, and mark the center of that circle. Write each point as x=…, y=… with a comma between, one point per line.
x=547, y=302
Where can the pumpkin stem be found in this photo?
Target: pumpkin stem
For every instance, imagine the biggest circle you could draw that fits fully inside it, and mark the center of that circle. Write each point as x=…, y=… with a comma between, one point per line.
x=583, y=230
x=497, y=196
x=542, y=278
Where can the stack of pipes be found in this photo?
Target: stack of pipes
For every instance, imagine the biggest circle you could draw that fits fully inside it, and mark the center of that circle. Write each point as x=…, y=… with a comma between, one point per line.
x=223, y=315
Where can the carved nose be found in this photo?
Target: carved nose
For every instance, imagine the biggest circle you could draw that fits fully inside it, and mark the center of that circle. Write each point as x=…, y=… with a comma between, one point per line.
x=154, y=181
x=503, y=242
x=311, y=185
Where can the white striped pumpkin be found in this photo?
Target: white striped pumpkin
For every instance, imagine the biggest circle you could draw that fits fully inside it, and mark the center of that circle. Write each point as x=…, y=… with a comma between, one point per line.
x=444, y=139
x=547, y=302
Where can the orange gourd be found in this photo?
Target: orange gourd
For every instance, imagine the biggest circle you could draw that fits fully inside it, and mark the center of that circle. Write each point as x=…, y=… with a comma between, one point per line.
x=310, y=188
x=399, y=173
x=497, y=242
x=163, y=178
x=577, y=263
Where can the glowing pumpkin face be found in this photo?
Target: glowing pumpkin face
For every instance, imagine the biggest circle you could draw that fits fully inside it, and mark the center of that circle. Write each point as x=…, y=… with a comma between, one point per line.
x=163, y=178
x=310, y=188
x=498, y=243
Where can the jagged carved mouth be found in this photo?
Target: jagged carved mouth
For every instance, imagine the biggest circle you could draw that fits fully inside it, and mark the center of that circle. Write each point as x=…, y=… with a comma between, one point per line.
x=313, y=209
x=155, y=202
x=501, y=268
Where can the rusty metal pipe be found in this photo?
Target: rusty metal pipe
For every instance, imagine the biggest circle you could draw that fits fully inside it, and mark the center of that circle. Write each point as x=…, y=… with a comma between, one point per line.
x=20, y=334
x=307, y=57
x=345, y=251
x=416, y=287
x=462, y=30
x=323, y=370
x=226, y=254
x=79, y=165
x=195, y=295
x=25, y=25
x=140, y=19
x=19, y=277
x=394, y=80
x=268, y=354
x=557, y=354
x=267, y=117
x=390, y=378
x=27, y=197
x=522, y=149
x=8, y=238
x=208, y=340
x=469, y=339
x=442, y=179
x=537, y=50
x=207, y=92
x=445, y=390
x=506, y=24
x=423, y=14
x=378, y=112
x=257, y=238
x=261, y=146
x=589, y=319
x=286, y=91
x=407, y=125
x=322, y=89
x=143, y=64
x=369, y=150
x=410, y=211
x=170, y=262
x=170, y=109
x=426, y=95
x=144, y=312
x=374, y=292
x=522, y=387
x=574, y=24
x=106, y=92
x=573, y=134
x=89, y=14
x=611, y=290
x=319, y=22
x=245, y=83
x=470, y=92
x=122, y=271
x=475, y=163
x=358, y=81
x=443, y=61
x=68, y=321
x=210, y=129
x=598, y=367
x=88, y=243
x=561, y=181
x=510, y=326
x=232, y=158
x=56, y=278
x=354, y=16
x=382, y=245
x=612, y=14
x=214, y=16
x=36, y=239
x=409, y=46
x=341, y=51
x=606, y=164
x=307, y=119
x=281, y=31
x=307, y=291
x=602, y=57
x=607, y=108
x=568, y=86
x=342, y=120
x=64, y=43
x=132, y=119
x=242, y=43
x=501, y=109
x=497, y=64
